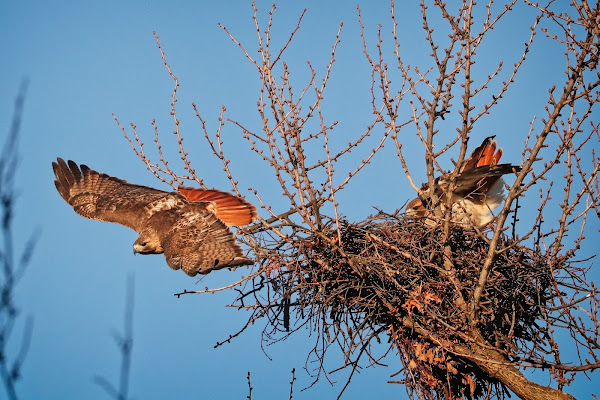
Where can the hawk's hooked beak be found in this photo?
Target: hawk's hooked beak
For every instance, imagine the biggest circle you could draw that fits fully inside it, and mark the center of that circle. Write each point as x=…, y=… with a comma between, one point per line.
x=144, y=248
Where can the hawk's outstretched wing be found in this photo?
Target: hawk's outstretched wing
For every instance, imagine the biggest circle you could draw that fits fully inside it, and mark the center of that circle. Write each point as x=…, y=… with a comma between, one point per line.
x=99, y=196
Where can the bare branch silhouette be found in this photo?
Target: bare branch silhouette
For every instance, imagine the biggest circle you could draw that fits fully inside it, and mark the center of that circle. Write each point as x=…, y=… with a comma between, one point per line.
x=13, y=266
x=125, y=344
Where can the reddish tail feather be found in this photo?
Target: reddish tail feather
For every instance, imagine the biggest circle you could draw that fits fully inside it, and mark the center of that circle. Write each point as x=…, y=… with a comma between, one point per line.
x=232, y=210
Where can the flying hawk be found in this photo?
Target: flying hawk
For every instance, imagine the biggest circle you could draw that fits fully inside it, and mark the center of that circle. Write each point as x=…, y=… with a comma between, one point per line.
x=189, y=226
x=479, y=188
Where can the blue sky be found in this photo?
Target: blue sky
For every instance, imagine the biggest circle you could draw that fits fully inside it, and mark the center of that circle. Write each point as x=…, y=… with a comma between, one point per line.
x=87, y=60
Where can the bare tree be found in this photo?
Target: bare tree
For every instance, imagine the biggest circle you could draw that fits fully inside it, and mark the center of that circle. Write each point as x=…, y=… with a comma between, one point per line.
x=13, y=265
x=464, y=309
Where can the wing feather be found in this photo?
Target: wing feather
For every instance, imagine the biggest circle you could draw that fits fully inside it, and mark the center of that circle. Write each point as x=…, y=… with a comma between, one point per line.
x=476, y=182
x=198, y=242
x=99, y=196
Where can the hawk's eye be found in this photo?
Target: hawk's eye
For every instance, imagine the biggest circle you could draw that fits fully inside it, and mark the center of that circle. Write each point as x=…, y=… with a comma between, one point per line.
x=143, y=244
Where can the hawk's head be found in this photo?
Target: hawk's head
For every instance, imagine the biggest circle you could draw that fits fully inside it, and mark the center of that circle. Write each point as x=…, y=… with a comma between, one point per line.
x=147, y=243
x=416, y=209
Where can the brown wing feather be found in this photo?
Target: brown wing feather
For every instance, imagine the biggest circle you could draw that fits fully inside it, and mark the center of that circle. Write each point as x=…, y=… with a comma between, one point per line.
x=230, y=209
x=198, y=241
x=99, y=196
x=476, y=182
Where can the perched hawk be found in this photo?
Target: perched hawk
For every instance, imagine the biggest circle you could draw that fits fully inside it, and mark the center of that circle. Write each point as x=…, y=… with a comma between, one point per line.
x=189, y=227
x=479, y=188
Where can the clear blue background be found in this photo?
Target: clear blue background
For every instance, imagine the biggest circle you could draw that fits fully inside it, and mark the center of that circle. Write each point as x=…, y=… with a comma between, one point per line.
x=86, y=60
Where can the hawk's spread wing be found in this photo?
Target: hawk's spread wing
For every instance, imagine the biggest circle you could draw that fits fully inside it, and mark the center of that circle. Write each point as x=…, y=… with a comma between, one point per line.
x=232, y=210
x=198, y=241
x=99, y=196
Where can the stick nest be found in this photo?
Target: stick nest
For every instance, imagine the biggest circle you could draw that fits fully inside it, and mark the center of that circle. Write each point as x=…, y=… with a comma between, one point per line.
x=396, y=276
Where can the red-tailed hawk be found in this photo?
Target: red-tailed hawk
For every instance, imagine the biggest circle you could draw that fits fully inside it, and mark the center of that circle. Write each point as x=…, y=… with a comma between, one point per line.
x=479, y=189
x=189, y=227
